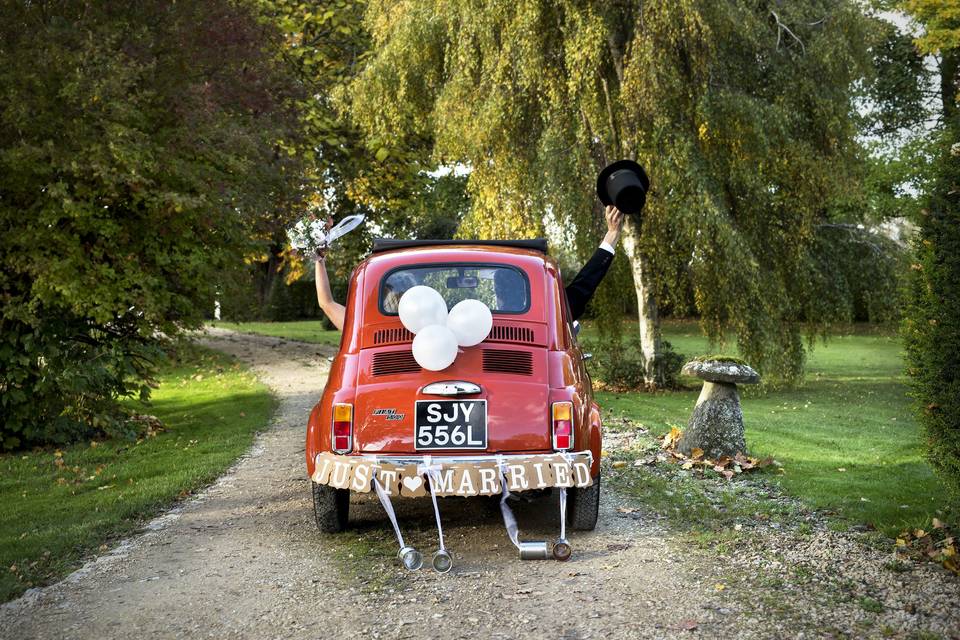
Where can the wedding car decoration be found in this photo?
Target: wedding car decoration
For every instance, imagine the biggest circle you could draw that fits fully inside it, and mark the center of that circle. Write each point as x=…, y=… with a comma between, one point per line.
x=439, y=334
x=358, y=473
x=311, y=236
x=490, y=397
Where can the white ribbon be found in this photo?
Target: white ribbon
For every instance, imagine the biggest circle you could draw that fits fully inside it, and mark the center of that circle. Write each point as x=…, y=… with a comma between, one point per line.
x=344, y=227
x=563, y=495
x=563, y=513
x=432, y=471
x=509, y=521
x=388, y=507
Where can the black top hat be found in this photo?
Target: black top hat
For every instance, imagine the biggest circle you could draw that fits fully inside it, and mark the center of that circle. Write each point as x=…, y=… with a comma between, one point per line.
x=623, y=184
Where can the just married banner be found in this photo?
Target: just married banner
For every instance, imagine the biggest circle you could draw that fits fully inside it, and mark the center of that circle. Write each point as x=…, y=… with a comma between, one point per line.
x=478, y=478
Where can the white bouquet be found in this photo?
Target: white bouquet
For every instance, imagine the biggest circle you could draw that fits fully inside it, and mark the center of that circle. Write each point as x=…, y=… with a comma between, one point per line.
x=310, y=236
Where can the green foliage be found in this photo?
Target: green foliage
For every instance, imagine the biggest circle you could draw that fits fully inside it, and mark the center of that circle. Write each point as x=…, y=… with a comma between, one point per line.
x=895, y=117
x=140, y=151
x=720, y=358
x=62, y=374
x=941, y=22
x=385, y=176
x=620, y=365
x=898, y=86
x=931, y=327
x=743, y=114
x=932, y=324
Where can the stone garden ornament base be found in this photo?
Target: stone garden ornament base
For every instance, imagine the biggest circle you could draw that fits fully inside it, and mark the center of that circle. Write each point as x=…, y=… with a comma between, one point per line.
x=716, y=425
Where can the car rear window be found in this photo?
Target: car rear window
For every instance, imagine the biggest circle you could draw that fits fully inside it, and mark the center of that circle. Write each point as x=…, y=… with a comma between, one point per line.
x=503, y=288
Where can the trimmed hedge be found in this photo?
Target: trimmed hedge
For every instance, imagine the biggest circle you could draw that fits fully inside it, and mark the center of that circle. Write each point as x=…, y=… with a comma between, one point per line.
x=932, y=326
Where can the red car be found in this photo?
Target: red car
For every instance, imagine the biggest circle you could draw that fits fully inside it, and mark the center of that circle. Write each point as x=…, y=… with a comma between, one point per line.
x=523, y=391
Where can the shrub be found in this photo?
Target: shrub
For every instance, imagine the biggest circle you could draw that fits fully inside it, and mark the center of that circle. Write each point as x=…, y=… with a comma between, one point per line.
x=621, y=366
x=931, y=328
x=59, y=378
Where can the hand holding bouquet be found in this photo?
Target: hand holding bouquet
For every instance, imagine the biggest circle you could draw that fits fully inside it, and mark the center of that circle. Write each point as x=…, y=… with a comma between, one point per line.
x=312, y=236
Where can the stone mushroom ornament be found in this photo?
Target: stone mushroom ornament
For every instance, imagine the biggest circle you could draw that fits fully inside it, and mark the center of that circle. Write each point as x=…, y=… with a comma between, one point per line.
x=716, y=425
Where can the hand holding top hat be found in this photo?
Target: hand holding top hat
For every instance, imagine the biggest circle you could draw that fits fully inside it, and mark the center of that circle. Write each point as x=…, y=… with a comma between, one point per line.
x=623, y=184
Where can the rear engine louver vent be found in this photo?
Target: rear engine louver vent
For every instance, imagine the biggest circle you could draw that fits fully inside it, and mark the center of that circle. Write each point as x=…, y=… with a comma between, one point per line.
x=389, y=336
x=505, y=333
x=503, y=361
x=388, y=363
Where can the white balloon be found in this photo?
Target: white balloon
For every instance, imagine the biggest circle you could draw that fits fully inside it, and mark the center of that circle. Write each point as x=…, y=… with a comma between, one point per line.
x=435, y=347
x=470, y=321
x=421, y=306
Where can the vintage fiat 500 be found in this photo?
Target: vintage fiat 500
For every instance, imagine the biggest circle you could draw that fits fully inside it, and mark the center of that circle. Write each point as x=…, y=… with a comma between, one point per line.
x=522, y=394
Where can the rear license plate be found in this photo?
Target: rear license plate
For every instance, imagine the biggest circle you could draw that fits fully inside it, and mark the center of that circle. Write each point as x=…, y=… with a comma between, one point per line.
x=451, y=424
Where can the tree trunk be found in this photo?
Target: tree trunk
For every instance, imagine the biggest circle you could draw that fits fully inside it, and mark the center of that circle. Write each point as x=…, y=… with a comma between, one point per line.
x=646, y=305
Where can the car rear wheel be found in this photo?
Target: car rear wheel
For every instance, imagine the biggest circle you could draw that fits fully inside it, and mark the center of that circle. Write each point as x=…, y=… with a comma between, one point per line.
x=330, y=507
x=583, y=506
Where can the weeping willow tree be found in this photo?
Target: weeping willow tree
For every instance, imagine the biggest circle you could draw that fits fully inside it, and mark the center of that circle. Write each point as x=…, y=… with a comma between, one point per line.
x=742, y=112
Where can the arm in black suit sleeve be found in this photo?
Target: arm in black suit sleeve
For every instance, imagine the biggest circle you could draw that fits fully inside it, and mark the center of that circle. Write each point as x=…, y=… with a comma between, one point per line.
x=586, y=282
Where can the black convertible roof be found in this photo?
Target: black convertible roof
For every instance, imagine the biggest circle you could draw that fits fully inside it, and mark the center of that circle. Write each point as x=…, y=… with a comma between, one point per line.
x=388, y=244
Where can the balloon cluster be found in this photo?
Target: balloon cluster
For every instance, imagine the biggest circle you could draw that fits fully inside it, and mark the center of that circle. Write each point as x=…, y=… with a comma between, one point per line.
x=439, y=333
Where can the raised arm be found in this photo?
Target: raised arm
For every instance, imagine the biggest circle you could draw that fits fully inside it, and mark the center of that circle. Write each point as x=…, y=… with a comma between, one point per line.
x=334, y=310
x=588, y=279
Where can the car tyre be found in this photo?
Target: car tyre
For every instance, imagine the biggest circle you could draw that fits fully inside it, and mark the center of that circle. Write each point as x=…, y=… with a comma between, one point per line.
x=583, y=506
x=331, y=508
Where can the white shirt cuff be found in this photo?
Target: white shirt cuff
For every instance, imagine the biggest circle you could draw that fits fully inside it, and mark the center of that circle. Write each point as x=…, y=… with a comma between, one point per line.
x=606, y=246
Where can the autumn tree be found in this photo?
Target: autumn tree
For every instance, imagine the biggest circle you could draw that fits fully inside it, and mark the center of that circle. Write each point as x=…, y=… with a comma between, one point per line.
x=742, y=113
x=347, y=170
x=141, y=152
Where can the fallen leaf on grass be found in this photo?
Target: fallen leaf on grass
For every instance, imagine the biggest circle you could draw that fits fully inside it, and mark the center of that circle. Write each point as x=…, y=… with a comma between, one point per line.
x=626, y=510
x=725, y=465
x=936, y=545
x=671, y=439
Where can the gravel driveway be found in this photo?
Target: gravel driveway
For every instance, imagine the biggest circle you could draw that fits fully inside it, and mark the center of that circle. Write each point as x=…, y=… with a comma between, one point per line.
x=244, y=560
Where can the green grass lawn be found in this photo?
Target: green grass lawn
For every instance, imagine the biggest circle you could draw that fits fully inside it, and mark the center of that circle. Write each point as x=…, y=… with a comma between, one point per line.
x=847, y=437
x=53, y=514
x=304, y=330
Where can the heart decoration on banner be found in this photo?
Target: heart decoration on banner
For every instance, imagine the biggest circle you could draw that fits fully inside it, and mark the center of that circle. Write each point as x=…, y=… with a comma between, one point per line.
x=438, y=333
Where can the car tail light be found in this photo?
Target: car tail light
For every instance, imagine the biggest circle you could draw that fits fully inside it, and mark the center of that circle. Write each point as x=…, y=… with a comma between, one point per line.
x=562, y=426
x=342, y=428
